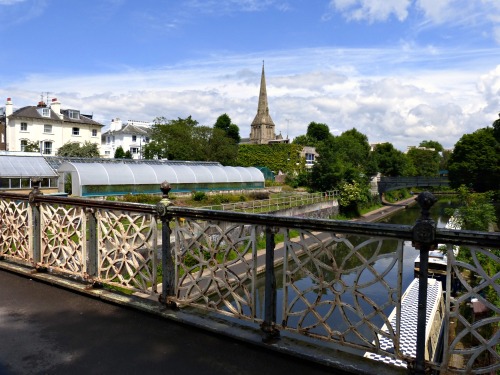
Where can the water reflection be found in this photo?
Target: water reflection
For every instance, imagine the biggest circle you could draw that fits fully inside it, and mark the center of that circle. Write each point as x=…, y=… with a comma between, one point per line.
x=327, y=282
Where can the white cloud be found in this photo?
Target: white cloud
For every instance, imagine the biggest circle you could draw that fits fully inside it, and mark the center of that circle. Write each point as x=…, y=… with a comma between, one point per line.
x=418, y=100
x=372, y=10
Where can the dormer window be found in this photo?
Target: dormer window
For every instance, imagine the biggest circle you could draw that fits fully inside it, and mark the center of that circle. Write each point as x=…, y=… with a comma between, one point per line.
x=44, y=112
x=73, y=114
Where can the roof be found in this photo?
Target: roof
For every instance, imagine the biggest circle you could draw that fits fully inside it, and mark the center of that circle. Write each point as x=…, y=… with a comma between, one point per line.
x=32, y=112
x=144, y=173
x=15, y=165
x=130, y=129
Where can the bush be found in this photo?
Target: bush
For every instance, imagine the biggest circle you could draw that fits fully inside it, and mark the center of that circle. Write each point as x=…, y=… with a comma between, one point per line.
x=259, y=195
x=198, y=196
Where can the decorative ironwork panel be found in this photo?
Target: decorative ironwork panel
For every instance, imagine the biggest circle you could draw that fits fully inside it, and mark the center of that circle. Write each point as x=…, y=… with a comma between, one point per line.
x=473, y=311
x=127, y=244
x=336, y=288
x=15, y=239
x=63, y=238
x=216, y=266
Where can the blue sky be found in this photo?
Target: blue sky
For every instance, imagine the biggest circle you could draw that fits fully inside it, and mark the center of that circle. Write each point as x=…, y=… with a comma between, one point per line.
x=399, y=71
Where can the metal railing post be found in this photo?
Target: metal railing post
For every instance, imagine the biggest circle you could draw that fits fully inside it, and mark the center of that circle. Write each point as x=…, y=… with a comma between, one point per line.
x=167, y=295
x=37, y=232
x=424, y=233
x=92, y=247
x=268, y=326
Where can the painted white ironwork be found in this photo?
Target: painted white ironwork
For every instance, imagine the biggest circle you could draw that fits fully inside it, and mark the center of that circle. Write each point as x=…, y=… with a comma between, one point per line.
x=473, y=311
x=15, y=239
x=127, y=245
x=63, y=238
x=216, y=266
x=344, y=274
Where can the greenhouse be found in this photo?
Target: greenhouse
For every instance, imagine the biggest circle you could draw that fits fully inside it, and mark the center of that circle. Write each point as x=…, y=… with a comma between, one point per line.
x=104, y=178
x=18, y=168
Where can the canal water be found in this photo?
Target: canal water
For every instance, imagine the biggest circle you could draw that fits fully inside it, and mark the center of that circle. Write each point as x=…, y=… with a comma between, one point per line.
x=376, y=292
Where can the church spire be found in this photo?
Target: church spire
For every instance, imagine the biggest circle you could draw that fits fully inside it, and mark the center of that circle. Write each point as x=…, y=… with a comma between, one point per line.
x=262, y=128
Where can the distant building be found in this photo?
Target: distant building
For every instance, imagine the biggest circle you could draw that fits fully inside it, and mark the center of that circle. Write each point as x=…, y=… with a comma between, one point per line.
x=262, y=128
x=50, y=126
x=310, y=155
x=132, y=136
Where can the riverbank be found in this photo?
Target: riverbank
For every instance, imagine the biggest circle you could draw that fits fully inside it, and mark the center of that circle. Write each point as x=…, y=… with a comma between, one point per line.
x=388, y=209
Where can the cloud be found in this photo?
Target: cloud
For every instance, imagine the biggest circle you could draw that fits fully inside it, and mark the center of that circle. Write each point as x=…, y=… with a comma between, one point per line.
x=371, y=10
x=404, y=103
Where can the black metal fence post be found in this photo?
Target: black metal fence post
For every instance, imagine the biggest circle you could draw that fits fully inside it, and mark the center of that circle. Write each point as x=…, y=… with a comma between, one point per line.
x=424, y=233
x=269, y=324
x=92, y=247
x=167, y=295
x=36, y=231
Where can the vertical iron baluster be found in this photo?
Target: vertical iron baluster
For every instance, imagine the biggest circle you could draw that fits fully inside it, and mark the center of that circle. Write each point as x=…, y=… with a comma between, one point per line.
x=269, y=325
x=424, y=233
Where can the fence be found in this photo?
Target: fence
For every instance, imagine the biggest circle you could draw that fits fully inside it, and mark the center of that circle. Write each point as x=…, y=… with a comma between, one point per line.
x=194, y=259
x=275, y=204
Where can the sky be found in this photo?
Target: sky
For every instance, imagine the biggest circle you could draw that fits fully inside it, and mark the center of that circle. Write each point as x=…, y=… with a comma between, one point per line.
x=399, y=71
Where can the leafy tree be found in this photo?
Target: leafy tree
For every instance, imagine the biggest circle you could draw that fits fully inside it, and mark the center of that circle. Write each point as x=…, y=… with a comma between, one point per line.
x=317, y=131
x=75, y=149
x=128, y=155
x=342, y=159
x=184, y=139
x=352, y=195
x=496, y=128
x=475, y=161
x=119, y=153
x=425, y=162
x=225, y=124
x=32, y=146
x=390, y=161
x=432, y=144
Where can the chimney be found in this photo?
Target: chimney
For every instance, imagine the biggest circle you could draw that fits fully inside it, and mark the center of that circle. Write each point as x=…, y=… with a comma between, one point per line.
x=56, y=107
x=116, y=124
x=8, y=107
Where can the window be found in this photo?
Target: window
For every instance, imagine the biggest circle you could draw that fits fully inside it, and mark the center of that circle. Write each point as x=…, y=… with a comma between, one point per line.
x=75, y=115
x=146, y=140
x=134, y=150
x=107, y=152
x=24, y=143
x=94, y=133
x=108, y=140
x=47, y=148
x=47, y=128
x=309, y=158
x=46, y=112
x=134, y=138
x=24, y=126
x=76, y=131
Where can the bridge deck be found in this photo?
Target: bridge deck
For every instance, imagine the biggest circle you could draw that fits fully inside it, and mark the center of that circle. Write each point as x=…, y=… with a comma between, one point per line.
x=50, y=330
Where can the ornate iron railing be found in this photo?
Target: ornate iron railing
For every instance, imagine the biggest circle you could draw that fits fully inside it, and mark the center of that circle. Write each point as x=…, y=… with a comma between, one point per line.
x=215, y=261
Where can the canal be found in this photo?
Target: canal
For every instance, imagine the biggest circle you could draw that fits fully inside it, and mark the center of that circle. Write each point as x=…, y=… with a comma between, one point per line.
x=382, y=259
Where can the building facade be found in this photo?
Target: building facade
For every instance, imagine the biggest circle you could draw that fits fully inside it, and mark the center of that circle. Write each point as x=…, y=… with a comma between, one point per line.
x=48, y=126
x=132, y=136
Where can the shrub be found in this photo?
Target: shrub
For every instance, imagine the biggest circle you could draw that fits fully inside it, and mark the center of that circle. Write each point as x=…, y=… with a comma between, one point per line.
x=198, y=196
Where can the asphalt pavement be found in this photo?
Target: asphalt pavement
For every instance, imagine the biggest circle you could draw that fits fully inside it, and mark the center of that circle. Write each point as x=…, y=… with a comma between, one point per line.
x=45, y=329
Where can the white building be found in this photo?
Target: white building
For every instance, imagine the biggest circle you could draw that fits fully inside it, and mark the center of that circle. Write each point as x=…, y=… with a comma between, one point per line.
x=50, y=126
x=132, y=136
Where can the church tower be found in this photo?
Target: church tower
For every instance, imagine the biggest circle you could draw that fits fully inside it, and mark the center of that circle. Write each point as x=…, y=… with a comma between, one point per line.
x=262, y=128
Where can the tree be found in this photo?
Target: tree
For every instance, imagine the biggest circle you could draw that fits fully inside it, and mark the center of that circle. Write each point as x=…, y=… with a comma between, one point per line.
x=32, y=146
x=75, y=149
x=496, y=128
x=431, y=144
x=425, y=162
x=128, y=155
x=389, y=161
x=317, y=131
x=475, y=161
x=225, y=124
x=119, y=153
x=184, y=139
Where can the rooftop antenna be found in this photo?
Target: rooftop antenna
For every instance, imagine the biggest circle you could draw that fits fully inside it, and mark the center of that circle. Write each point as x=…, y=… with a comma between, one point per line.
x=46, y=93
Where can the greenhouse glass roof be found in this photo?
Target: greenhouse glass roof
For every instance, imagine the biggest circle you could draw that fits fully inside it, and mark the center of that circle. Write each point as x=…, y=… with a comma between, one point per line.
x=205, y=175
x=24, y=165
